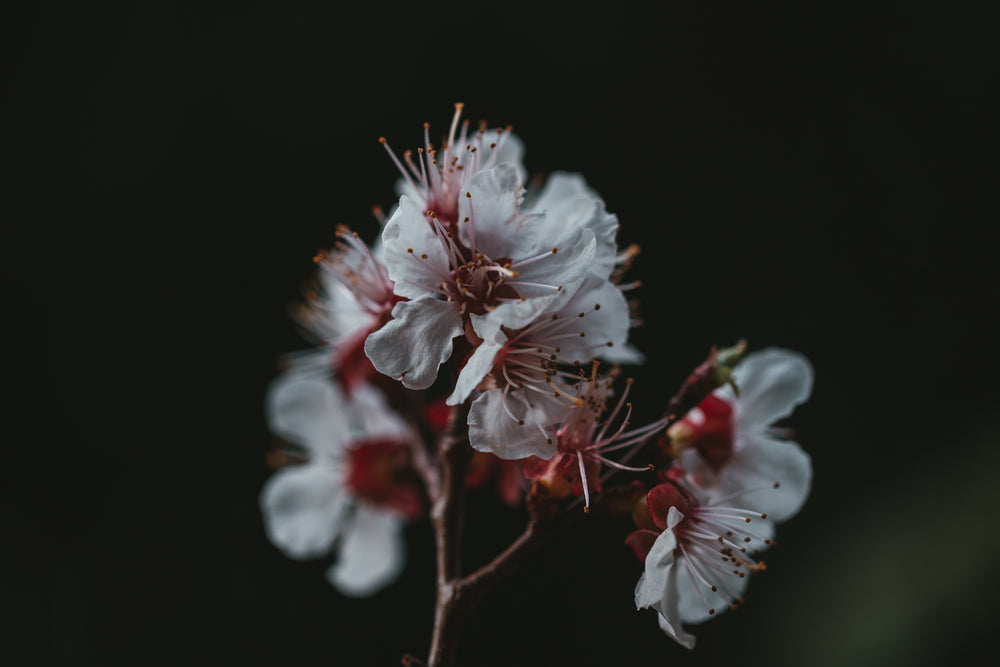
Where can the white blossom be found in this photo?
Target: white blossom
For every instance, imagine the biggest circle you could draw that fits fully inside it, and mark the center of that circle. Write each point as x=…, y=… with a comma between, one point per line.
x=315, y=507
x=729, y=444
x=463, y=242
x=353, y=296
x=697, y=555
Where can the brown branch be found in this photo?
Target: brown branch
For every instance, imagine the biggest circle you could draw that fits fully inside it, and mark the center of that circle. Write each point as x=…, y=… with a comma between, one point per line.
x=485, y=579
x=447, y=514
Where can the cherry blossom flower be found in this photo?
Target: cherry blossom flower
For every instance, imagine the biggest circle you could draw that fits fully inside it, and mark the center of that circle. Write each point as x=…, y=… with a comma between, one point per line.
x=354, y=297
x=697, y=555
x=520, y=369
x=465, y=242
x=583, y=440
x=438, y=177
x=728, y=444
x=353, y=493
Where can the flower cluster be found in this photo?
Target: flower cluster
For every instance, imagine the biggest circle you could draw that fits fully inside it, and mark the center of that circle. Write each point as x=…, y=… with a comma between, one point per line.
x=702, y=529
x=494, y=314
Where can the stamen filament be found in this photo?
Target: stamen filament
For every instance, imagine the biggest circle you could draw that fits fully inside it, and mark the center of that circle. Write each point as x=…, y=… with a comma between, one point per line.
x=399, y=165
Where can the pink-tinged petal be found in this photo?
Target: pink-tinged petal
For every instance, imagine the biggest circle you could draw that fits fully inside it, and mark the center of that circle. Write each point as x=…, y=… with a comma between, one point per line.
x=415, y=257
x=302, y=507
x=513, y=435
x=372, y=554
x=491, y=206
x=307, y=410
x=663, y=501
x=760, y=461
x=771, y=383
x=418, y=339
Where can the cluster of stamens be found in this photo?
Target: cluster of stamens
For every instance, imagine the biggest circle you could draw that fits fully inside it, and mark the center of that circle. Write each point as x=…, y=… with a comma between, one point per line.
x=439, y=176
x=379, y=471
x=583, y=439
x=718, y=547
x=532, y=360
x=353, y=265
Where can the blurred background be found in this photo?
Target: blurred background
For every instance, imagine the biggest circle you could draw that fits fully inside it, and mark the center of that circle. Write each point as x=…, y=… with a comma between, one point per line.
x=813, y=178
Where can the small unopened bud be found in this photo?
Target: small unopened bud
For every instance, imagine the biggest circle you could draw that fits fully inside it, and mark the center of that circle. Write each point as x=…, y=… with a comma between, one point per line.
x=724, y=361
x=711, y=374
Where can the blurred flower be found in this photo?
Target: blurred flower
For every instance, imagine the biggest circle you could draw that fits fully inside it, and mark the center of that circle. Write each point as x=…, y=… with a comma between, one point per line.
x=506, y=476
x=354, y=297
x=355, y=489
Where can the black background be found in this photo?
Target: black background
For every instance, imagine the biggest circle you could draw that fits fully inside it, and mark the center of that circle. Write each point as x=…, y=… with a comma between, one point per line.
x=815, y=178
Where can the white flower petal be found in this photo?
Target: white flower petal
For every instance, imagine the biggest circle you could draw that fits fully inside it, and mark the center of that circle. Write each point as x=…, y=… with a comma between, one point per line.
x=372, y=416
x=658, y=585
x=653, y=582
x=494, y=226
x=771, y=382
x=605, y=320
x=566, y=269
x=695, y=598
x=307, y=410
x=407, y=237
x=511, y=150
x=672, y=627
x=758, y=462
x=492, y=429
x=302, y=509
x=624, y=354
x=372, y=554
x=512, y=315
x=418, y=339
x=568, y=204
x=476, y=367
x=559, y=187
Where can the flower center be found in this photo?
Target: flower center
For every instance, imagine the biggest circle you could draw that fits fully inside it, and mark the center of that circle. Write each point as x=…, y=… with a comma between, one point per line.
x=479, y=284
x=379, y=472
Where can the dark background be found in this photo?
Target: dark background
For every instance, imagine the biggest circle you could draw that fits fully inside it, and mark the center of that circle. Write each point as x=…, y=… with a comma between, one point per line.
x=814, y=178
